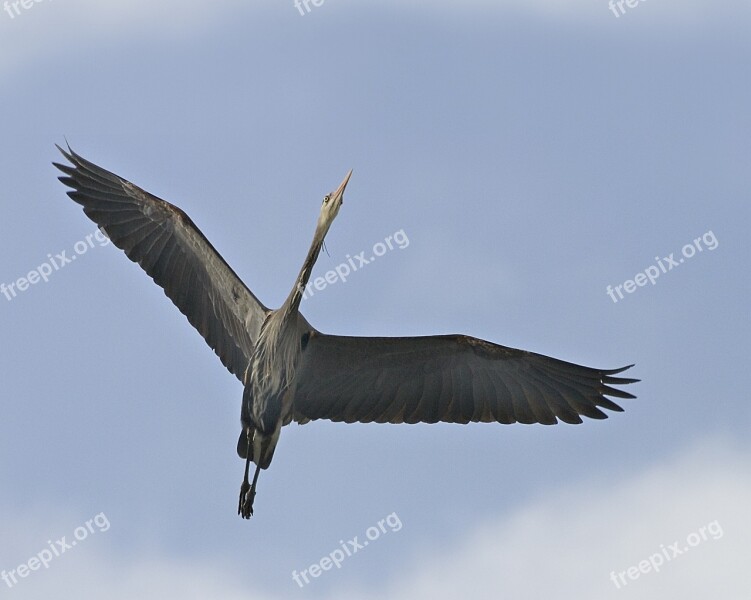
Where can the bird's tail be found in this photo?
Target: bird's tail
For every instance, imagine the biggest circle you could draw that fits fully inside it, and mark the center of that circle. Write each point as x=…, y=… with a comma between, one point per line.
x=243, y=447
x=267, y=445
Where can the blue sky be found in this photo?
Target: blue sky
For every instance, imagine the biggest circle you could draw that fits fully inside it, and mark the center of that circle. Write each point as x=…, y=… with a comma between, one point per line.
x=533, y=153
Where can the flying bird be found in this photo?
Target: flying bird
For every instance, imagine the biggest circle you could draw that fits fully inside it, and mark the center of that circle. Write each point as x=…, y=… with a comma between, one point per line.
x=293, y=372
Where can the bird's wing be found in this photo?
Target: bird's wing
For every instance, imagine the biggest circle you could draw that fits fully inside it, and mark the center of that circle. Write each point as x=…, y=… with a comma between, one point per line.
x=176, y=255
x=450, y=378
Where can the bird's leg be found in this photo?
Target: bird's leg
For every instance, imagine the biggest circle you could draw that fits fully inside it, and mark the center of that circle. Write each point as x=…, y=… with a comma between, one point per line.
x=252, y=492
x=244, y=488
x=247, y=490
x=248, y=493
x=248, y=457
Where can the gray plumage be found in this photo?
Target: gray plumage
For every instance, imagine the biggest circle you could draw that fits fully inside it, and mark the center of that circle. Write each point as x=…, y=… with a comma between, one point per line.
x=291, y=371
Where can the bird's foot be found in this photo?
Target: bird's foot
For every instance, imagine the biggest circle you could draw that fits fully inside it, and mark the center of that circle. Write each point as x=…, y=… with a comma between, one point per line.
x=245, y=506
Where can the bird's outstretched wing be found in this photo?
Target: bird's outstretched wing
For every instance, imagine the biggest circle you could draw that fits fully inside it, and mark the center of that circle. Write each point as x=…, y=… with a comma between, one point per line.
x=450, y=378
x=176, y=255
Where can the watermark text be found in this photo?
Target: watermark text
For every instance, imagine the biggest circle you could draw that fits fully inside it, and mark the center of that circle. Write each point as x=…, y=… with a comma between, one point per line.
x=304, y=5
x=346, y=549
x=665, y=264
x=13, y=7
x=53, y=264
x=354, y=263
x=100, y=523
x=655, y=562
x=616, y=6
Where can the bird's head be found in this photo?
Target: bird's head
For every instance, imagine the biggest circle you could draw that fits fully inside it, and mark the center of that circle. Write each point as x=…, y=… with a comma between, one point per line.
x=330, y=207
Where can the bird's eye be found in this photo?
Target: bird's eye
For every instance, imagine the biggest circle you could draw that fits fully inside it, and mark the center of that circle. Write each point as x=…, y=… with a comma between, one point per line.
x=326, y=199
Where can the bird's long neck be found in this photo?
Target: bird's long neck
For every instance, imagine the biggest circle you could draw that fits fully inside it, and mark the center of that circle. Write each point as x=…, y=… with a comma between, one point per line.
x=292, y=303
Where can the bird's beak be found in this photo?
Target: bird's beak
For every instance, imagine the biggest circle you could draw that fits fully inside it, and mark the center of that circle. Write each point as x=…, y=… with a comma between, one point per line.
x=339, y=193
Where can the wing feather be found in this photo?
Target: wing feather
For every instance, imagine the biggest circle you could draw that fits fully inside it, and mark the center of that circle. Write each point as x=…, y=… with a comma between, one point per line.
x=452, y=378
x=164, y=241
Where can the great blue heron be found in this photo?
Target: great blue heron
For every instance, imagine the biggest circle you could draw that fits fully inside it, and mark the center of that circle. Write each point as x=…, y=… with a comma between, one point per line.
x=291, y=371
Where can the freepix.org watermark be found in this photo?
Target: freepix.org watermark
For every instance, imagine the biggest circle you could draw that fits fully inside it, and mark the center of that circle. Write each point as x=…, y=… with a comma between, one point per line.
x=354, y=263
x=655, y=562
x=617, y=8
x=665, y=264
x=43, y=558
x=347, y=549
x=53, y=264
x=299, y=4
x=13, y=7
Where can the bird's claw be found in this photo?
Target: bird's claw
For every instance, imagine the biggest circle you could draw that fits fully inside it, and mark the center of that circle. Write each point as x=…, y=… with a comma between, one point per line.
x=245, y=506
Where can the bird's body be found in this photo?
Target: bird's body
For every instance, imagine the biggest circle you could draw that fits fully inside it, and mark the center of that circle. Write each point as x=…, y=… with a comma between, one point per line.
x=291, y=371
x=270, y=384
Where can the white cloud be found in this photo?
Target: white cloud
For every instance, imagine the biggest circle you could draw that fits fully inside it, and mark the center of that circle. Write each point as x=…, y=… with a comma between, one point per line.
x=157, y=579
x=675, y=10
x=563, y=546
x=566, y=545
x=51, y=26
